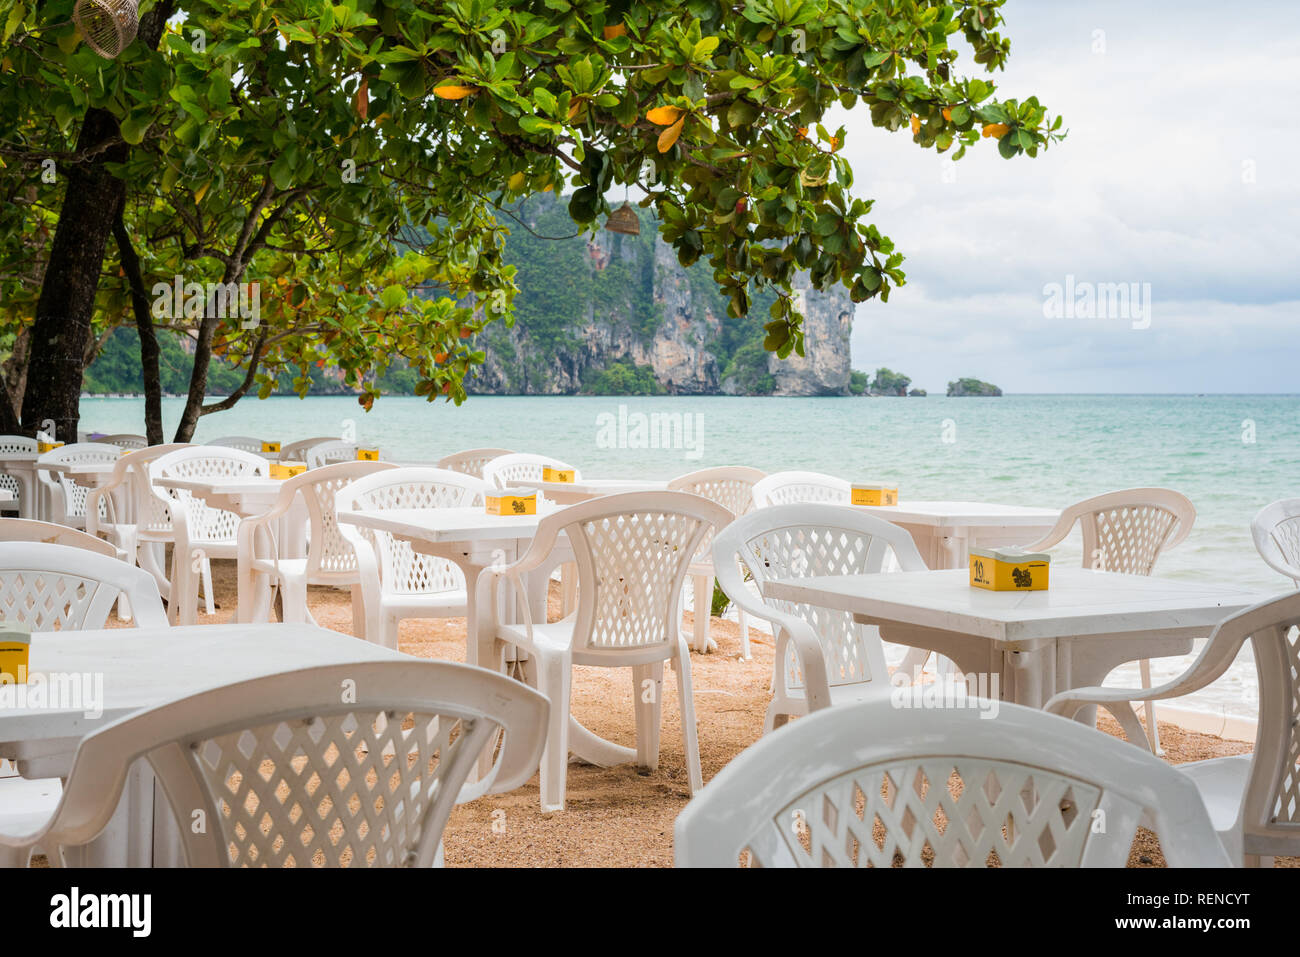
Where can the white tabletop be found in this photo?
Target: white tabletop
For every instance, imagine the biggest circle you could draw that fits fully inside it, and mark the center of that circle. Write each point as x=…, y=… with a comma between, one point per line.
x=444, y=525
x=960, y=514
x=1078, y=603
x=225, y=485
x=145, y=667
x=6, y=495
x=594, y=487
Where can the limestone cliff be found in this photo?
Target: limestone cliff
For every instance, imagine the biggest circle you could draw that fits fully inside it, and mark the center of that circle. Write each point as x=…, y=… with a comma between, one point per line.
x=595, y=315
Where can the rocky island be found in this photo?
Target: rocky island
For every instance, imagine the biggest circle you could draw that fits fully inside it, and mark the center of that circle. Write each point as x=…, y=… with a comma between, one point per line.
x=963, y=387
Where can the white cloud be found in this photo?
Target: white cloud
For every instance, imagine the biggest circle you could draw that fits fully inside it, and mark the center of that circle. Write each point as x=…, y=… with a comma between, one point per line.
x=1147, y=188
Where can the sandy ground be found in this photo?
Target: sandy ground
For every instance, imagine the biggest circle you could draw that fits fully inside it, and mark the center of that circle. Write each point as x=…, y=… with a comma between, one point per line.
x=624, y=816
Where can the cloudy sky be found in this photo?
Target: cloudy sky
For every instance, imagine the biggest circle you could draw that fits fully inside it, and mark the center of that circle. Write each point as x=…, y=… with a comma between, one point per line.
x=1180, y=171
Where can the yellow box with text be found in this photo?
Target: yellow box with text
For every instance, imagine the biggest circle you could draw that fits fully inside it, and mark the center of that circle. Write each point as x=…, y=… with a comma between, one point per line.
x=874, y=493
x=43, y=447
x=280, y=470
x=15, y=648
x=556, y=475
x=367, y=455
x=511, y=502
x=1009, y=569
x=270, y=446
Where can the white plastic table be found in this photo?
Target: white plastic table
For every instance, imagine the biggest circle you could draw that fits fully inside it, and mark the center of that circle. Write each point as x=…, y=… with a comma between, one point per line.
x=22, y=466
x=945, y=531
x=474, y=540
x=143, y=668
x=248, y=497
x=1086, y=624
x=570, y=493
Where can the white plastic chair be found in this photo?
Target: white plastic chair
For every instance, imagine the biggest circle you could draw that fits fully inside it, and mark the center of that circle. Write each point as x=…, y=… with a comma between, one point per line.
x=141, y=530
x=1126, y=532
x=1254, y=799
x=125, y=441
x=54, y=578
x=27, y=530
x=873, y=785
x=245, y=443
x=1276, y=530
x=68, y=498
x=732, y=487
x=199, y=532
x=332, y=452
x=823, y=657
x=331, y=559
x=632, y=552
x=289, y=773
x=791, y=488
x=15, y=445
x=504, y=470
x=396, y=581
x=297, y=451
x=471, y=461
x=54, y=587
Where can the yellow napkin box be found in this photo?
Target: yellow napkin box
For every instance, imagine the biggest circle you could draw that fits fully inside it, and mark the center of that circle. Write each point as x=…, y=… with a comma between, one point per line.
x=270, y=446
x=15, y=645
x=556, y=475
x=43, y=447
x=511, y=501
x=367, y=455
x=281, y=470
x=1009, y=569
x=874, y=493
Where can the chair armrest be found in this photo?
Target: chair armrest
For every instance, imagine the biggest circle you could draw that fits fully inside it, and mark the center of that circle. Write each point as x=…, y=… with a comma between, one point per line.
x=793, y=630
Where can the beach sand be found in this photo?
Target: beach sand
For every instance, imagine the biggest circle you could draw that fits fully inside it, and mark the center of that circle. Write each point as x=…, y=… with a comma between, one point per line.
x=623, y=817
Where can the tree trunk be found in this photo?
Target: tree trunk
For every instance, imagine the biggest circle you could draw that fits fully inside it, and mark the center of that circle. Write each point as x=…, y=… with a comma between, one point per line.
x=66, y=306
x=149, y=352
x=15, y=382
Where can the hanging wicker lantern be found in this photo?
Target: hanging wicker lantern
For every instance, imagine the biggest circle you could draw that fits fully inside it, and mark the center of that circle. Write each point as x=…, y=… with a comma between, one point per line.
x=108, y=26
x=624, y=220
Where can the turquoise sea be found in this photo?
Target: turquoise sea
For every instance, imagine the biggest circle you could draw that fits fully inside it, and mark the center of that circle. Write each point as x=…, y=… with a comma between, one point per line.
x=1230, y=454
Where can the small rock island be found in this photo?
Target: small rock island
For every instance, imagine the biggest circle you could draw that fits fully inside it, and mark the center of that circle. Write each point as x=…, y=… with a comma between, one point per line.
x=964, y=387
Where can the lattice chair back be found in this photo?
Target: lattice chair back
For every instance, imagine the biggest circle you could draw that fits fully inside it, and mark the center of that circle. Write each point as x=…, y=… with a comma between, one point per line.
x=206, y=524
x=245, y=443
x=632, y=551
x=1276, y=530
x=505, y=470
x=51, y=587
x=17, y=445
x=152, y=508
x=126, y=441
x=471, y=461
x=289, y=771
x=803, y=541
x=869, y=784
x=792, y=488
x=26, y=530
x=297, y=451
x=332, y=452
x=82, y=453
x=329, y=552
x=731, y=486
x=1125, y=531
x=401, y=569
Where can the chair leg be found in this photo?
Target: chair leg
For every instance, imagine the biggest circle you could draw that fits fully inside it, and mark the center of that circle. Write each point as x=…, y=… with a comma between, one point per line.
x=690, y=734
x=207, y=586
x=294, y=593
x=554, y=677
x=568, y=589
x=389, y=631
x=358, y=612
x=703, y=605
x=15, y=857
x=1153, y=730
x=1255, y=860
x=647, y=700
x=743, y=617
